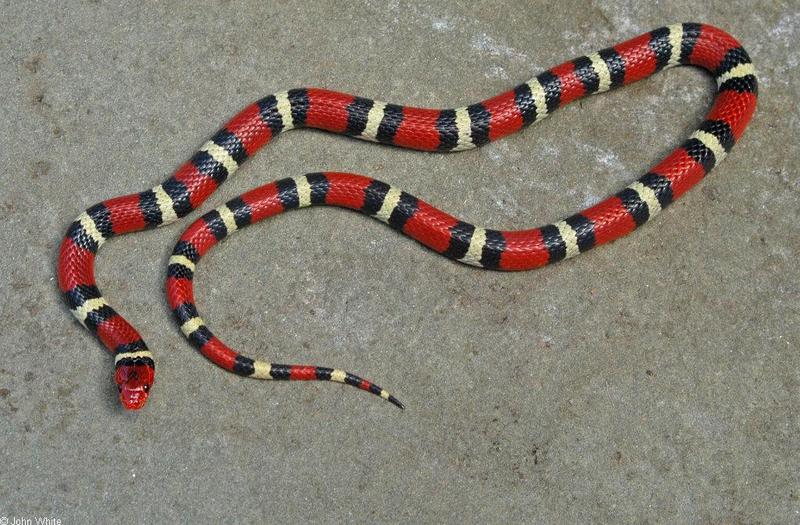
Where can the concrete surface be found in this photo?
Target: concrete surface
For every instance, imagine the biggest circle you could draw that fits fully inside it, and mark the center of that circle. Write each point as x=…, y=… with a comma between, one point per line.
x=651, y=381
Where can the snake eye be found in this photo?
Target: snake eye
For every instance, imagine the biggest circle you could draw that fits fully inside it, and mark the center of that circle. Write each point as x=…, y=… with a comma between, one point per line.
x=146, y=388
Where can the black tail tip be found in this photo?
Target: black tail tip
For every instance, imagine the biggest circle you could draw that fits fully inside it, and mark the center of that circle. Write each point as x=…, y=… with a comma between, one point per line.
x=396, y=402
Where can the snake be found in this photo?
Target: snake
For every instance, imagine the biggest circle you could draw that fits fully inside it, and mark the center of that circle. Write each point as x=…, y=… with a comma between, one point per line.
x=432, y=130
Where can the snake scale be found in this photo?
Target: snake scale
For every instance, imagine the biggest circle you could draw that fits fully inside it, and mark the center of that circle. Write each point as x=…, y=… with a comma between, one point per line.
x=423, y=129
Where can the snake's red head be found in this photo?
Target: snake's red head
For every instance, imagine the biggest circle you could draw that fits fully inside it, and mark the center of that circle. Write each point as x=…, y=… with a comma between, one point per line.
x=134, y=376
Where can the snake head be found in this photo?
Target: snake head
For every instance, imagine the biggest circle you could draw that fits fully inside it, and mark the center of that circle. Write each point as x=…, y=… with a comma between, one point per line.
x=134, y=377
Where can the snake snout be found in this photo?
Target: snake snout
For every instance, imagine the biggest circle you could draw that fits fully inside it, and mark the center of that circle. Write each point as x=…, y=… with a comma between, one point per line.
x=133, y=398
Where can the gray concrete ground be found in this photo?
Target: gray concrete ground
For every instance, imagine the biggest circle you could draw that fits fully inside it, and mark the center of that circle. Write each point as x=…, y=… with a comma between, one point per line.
x=654, y=380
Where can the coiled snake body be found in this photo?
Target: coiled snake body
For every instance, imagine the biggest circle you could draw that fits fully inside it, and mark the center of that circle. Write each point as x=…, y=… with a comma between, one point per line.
x=423, y=129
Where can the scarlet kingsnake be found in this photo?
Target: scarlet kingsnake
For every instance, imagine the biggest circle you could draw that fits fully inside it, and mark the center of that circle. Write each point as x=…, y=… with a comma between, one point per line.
x=423, y=129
